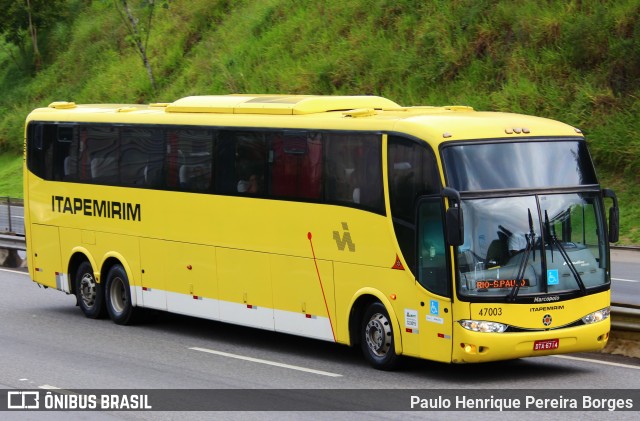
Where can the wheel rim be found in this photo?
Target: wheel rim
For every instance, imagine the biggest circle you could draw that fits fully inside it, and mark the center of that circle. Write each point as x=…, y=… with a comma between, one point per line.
x=118, y=295
x=378, y=334
x=88, y=290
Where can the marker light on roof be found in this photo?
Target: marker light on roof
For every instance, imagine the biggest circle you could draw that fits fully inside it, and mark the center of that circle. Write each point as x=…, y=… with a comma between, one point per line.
x=517, y=130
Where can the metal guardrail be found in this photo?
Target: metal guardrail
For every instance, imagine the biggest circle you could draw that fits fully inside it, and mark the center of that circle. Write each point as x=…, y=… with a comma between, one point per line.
x=12, y=242
x=625, y=317
x=11, y=215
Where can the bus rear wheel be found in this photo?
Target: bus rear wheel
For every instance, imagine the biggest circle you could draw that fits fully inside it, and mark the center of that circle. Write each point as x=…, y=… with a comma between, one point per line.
x=89, y=292
x=377, y=340
x=118, y=297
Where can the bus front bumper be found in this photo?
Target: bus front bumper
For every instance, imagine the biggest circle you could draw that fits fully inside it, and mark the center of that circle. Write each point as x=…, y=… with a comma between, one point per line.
x=473, y=347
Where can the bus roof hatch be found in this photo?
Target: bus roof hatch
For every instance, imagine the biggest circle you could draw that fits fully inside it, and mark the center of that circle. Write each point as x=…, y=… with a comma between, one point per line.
x=276, y=104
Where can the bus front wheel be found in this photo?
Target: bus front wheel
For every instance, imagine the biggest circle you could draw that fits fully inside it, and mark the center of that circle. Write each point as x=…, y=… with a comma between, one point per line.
x=118, y=297
x=377, y=340
x=89, y=292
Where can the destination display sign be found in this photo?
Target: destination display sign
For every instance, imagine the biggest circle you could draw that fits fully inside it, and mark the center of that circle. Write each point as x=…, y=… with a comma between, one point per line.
x=501, y=283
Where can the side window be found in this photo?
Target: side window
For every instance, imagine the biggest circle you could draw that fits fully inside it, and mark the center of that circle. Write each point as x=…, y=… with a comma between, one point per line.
x=413, y=172
x=251, y=157
x=189, y=159
x=353, y=172
x=61, y=165
x=226, y=181
x=173, y=160
x=80, y=163
x=100, y=152
x=49, y=149
x=142, y=156
x=36, y=149
x=296, y=167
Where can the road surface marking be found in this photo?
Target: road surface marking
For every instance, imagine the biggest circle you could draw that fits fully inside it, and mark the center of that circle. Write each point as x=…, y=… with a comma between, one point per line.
x=49, y=387
x=57, y=390
x=14, y=271
x=624, y=280
x=635, y=367
x=260, y=361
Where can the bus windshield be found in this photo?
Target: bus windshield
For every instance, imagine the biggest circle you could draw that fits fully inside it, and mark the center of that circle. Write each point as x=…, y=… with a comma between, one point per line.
x=518, y=165
x=528, y=243
x=513, y=249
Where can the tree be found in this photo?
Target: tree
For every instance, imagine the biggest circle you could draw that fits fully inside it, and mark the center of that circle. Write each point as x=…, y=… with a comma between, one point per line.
x=139, y=33
x=21, y=20
x=33, y=32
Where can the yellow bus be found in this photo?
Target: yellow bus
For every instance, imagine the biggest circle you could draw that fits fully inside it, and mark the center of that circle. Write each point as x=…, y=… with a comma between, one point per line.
x=441, y=233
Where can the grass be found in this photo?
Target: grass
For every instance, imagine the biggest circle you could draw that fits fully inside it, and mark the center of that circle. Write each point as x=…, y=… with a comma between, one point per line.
x=629, y=199
x=574, y=61
x=11, y=176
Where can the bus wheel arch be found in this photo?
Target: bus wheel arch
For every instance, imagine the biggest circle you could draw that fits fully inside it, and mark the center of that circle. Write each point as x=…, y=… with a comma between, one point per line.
x=373, y=326
x=78, y=256
x=88, y=290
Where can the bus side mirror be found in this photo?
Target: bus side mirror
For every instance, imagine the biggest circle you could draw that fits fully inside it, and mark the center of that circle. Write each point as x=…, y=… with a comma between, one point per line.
x=614, y=216
x=454, y=217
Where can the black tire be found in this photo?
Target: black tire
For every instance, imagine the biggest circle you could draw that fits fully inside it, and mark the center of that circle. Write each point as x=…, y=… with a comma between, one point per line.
x=89, y=293
x=118, y=297
x=376, y=338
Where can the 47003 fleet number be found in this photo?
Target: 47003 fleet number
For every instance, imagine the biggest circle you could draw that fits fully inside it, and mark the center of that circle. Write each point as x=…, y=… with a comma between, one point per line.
x=490, y=311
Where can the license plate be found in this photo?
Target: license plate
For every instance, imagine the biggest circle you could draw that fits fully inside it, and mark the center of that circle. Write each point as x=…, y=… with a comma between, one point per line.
x=546, y=345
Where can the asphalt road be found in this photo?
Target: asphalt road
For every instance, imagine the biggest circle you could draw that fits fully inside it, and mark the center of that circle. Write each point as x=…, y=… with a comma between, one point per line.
x=46, y=342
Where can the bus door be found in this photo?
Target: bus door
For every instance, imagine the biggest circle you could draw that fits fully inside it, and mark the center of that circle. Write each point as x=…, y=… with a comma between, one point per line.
x=434, y=276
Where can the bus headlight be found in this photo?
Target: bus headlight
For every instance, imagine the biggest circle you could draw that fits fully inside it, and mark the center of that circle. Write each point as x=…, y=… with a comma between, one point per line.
x=483, y=326
x=597, y=316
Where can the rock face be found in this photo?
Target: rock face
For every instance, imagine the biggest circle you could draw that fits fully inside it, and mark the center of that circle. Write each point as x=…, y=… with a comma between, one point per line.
x=10, y=259
x=624, y=343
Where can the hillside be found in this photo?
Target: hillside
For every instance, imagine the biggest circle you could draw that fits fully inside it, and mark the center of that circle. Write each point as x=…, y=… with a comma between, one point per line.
x=574, y=61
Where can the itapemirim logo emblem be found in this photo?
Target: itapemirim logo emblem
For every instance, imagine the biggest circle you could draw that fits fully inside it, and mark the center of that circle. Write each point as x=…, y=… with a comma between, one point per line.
x=345, y=239
x=546, y=320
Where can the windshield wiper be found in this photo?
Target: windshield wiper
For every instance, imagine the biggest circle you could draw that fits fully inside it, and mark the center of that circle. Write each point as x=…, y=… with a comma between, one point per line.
x=531, y=241
x=554, y=240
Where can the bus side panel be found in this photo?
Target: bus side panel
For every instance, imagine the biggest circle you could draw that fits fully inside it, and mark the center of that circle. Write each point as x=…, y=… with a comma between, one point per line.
x=152, y=290
x=302, y=296
x=246, y=295
x=124, y=248
x=383, y=283
x=191, y=281
x=435, y=323
x=45, y=257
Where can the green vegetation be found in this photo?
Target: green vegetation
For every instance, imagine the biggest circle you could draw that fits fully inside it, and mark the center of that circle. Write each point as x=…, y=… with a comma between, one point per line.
x=577, y=61
x=10, y=176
